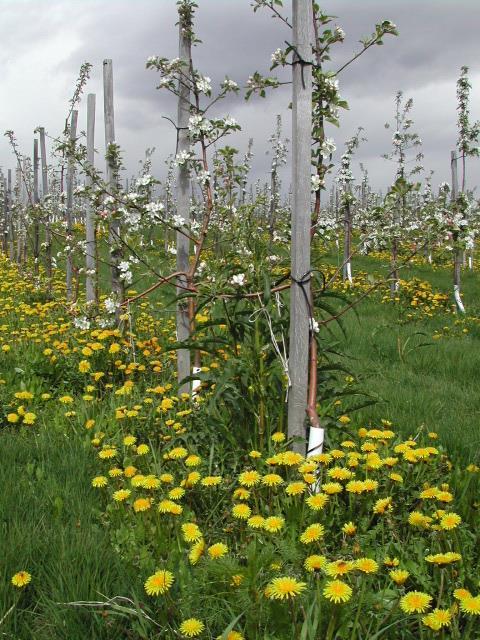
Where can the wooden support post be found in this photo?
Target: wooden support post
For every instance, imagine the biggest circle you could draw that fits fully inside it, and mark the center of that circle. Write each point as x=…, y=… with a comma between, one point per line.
x=301, y=220
x=112, y=180
x=48, y=233
x=90, y=226
x=11, y=230
x=457, y=253
x=69, y=207
x=183, y=208
x=36, y=200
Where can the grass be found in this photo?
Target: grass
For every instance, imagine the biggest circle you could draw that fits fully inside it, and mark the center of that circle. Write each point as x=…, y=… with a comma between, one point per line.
x=434, y=385
x=50, y=526
x=51, y=520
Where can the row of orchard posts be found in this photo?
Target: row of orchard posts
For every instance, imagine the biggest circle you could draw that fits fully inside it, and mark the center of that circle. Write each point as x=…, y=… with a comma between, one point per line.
x=22, y=200
x=302, y=341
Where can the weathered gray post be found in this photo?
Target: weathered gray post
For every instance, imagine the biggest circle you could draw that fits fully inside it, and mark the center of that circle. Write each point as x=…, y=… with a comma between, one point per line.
x=69, y=207
x=183, y=205
x=112, y=180
x=5, y=216
x=301, y=219
x=48, y=233
x=36, y=200
x=457, y=253
x=11, y=231
x=90, y=257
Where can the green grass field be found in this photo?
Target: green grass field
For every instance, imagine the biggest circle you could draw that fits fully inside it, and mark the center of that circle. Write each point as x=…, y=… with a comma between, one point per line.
x=435, y=385
x=51, y=516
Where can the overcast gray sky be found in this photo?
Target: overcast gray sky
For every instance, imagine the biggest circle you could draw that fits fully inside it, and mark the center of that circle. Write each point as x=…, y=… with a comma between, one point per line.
x=44, y=42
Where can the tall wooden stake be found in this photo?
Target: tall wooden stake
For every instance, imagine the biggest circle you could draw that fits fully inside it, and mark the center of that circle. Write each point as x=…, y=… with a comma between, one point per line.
x=301, y=220
x=36, y=200
x=69, y=208
x=183, y=209
x=11, y=230
x=48, y=233
x=90, y=258
x=112, y=180
x=457, y=254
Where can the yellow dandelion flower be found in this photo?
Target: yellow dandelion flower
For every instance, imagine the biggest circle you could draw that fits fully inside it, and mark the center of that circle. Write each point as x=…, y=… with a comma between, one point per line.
x=272, y=480
x=232, y=635
x=142, y=504
x=121, y=495
x=12, y=418
x=284, y=588
x=211, y=481
x=470, y=606
x=249, y=478
x=295, y=488
x=332, y=488
x=29, y=418
x=443, y=558
x=21, y=579
x=193, y=460
x=217, y=550
x=366, y=565
x=313, y=533
x=159, y=583
x=337, y=591
x=237, y=580
x=317, y=501
x=290, y=458
x=241, y=511
x=99, y=481
x=399, y=576
x=177, y=453
x=391, y=562
x=339, y=568
x=151, y=482
x=191, y=532
x=370, y=485
x=168, y=506
x=278, y=436
x=314, y=563
x=450, y=521
x=241, y=494
x=417, y=519
x=437, y=619
x=382, y=505
x=460, y=594
x=196, y=552
x=176, y=494
x=273, y=524
x=415, y=602
x=349, y=529
x=256, y=522
x=191, y=627
x=191, y=480
x=142, y=449
x=339, y=473
x=108, y=452
x=84, y=366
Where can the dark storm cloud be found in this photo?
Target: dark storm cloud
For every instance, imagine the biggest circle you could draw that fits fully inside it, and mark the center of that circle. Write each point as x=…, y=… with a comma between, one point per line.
x=436, y=38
